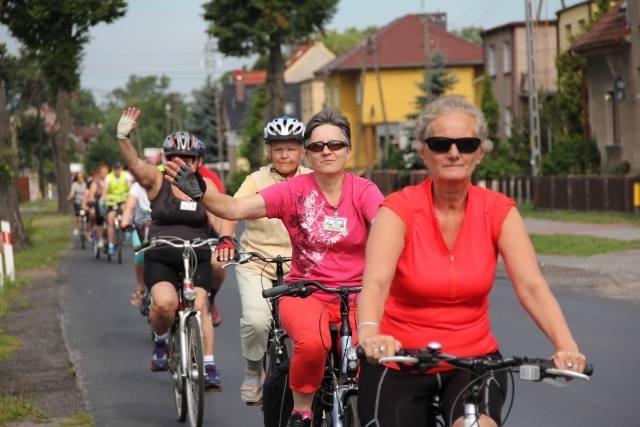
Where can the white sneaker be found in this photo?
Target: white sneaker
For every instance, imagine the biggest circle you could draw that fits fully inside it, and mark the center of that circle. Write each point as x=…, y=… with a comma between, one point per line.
x=75, y=232
x=101, y=243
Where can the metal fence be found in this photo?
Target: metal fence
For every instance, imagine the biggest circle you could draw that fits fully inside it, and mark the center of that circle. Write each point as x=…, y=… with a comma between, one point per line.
x=579, y=193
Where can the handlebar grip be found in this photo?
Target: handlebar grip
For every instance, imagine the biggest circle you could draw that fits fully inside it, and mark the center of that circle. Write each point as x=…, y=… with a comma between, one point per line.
x=360, y=353
x=588, y=369
x=142, y=246
x=276, y=291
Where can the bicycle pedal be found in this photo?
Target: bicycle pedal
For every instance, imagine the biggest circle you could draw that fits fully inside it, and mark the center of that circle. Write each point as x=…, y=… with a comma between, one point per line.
x=213, y=389
x=258, y=403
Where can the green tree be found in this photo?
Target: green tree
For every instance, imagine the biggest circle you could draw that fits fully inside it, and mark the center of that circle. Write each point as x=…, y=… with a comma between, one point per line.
x=252, y=145
x=149, y=94
x=264, y=27
x=490, y=107
x=201, y=121
x=341, y=42
x=84, y=109
x=436, y=82
x=471, y=34
x=58, y=30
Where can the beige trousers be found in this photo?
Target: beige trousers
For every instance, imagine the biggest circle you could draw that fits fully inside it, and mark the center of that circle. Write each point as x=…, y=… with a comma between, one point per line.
x=256, y=314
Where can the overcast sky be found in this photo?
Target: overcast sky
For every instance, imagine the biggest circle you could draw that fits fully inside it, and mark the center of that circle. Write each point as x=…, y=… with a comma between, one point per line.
x=167, y=36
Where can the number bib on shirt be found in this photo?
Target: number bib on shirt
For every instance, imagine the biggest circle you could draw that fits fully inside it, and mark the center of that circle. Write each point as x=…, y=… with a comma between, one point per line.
x=187, y=205
x=334, y=223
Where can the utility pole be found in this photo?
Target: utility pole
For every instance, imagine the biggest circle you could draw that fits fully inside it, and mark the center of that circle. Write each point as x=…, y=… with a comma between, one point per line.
x=534, y=117
x=210, y=49
x=383, y=161
x=427, y=54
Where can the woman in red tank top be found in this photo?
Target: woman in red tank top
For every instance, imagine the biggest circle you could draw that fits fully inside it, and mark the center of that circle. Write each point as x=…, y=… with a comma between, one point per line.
x=430, y=265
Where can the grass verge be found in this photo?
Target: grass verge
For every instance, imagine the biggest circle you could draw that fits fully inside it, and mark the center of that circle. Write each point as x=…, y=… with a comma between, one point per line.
x=48, y=236
x=528, y=210
x=577, y=245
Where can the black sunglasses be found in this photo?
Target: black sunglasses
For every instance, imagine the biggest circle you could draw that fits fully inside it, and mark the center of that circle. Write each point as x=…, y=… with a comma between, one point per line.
x=317, y=147
x=441, y=144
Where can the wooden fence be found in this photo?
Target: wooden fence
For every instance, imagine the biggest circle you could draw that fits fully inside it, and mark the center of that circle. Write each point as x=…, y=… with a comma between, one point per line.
x=579, y=193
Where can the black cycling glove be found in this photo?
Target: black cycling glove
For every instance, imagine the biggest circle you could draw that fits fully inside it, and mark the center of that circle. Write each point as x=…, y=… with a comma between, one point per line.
x=190, y=183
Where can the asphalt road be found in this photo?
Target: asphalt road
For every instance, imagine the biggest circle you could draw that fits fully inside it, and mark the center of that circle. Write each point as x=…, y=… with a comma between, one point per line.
x=110, y=346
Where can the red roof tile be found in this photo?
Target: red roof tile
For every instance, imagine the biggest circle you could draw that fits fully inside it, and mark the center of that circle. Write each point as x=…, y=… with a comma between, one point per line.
x=610, y=30
x=401, y=45
x=300, y=50
x=250, y=77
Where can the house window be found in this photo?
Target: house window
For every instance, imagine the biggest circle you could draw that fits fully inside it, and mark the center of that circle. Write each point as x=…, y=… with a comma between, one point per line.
x=612, y=119
x=567, y=32
x=491, y=60
x=506, y=57
x=583, y=25
x=336, y=97
x=508, y=121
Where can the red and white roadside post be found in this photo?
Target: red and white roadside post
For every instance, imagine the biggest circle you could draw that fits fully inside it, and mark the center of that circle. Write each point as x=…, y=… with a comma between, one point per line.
x=7, y=250
x=1, y=270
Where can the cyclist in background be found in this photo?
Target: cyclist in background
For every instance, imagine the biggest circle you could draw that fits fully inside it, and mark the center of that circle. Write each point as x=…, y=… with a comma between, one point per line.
x=137, y=211
x=219, y=273
x=328, y=214
x=430, y=265
x=284, y=138
x=173, y=213
x=118, y=184
x=78, y=188
x=94, y=202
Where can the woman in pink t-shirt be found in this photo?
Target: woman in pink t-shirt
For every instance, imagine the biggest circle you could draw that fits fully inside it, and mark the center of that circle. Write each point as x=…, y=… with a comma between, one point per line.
x=328, y=214
x=430, y=265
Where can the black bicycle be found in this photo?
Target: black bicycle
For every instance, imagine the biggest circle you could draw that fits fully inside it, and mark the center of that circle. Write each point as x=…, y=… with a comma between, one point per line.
x=82, y=227
x=336, y=402
x=279, y=345
x=481, y=368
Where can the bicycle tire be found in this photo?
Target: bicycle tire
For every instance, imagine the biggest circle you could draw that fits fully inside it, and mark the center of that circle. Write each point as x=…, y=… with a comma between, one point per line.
x=96, y=248
x=175, y=368
x=83, y=232
x=321, y=412
x=119, y=243
x=194, y=381
x=351, y=418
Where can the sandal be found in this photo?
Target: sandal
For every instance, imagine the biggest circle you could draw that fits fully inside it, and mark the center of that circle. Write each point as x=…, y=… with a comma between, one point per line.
x=138, y=297
x=252, y=393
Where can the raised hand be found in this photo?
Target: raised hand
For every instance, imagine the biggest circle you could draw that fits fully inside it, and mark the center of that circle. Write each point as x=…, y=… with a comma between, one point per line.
x=128, y=122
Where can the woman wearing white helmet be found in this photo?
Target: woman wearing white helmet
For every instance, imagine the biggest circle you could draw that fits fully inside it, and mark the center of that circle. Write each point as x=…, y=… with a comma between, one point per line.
x=284, y=138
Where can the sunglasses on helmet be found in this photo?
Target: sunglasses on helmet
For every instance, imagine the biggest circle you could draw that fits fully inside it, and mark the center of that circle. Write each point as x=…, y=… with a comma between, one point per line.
x=441, y=144
x=317, y=147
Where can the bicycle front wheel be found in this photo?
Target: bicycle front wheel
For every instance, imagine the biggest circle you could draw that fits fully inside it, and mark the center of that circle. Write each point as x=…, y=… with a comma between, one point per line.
x=195, y=373
x=119, y=243
x=175, y=368
x=351, y=418
x=83, y=232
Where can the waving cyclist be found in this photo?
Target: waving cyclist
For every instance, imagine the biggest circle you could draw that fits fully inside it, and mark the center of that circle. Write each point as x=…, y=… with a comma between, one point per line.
x=328, y=214
x=172, y=214
x=284, y=138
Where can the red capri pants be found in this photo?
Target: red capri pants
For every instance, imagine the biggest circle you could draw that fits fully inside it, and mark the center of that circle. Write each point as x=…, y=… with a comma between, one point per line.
x=306, y=321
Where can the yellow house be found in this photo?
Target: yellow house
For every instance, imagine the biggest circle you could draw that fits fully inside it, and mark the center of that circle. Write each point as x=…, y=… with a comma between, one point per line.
x=300, y=69
x=375, y=84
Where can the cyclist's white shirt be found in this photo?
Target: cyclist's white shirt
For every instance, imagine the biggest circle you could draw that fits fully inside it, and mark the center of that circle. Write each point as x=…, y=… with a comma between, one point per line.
x=142, y=212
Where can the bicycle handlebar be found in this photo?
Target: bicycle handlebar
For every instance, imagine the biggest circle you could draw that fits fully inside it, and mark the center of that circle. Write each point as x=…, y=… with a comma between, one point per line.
x=304, y=288
x=245, y=257
x=530, y=368
x=175, y=242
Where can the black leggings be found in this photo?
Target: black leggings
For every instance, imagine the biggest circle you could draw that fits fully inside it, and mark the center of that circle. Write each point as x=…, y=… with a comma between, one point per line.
x=165, y=265
x=392, y=398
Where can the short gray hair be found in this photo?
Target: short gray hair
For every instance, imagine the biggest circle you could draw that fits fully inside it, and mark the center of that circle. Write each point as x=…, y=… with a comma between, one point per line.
x=448, y=105
x=329, y=117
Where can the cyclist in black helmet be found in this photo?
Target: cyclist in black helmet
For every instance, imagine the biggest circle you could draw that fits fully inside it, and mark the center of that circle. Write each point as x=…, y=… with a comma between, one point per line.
x=173, y=213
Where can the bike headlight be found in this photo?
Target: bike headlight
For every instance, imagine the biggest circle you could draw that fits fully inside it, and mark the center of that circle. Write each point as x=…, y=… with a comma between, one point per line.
x=352, y=358
x=189, y=293
x=82, y=212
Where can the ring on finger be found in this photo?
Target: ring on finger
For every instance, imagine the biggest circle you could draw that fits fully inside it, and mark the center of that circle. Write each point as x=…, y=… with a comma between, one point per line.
x=382, y=348
x=569, y=365
x=375, y=349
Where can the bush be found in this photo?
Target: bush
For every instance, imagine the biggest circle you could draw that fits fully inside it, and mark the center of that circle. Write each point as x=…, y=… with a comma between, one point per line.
x=574, y=156
x=234, y=181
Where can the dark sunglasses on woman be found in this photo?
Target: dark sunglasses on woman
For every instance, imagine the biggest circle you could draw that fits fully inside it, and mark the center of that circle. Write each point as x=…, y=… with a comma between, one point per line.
x=441, y=144
x=317, y=147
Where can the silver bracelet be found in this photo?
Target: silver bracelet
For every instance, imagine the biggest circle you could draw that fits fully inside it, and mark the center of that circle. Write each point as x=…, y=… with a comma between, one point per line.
x=369, y=324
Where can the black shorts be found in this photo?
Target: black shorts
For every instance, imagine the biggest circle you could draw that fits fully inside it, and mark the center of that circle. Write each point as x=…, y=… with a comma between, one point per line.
x=77, y=207
x=165, y=265
x=396, y=398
